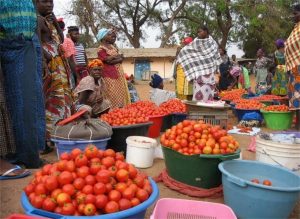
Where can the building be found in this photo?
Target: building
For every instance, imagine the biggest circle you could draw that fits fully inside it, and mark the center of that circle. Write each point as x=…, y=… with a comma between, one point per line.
x=143, y=62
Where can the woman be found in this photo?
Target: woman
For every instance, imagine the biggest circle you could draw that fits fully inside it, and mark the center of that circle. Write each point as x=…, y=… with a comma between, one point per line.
x=113, y=75
x=184, y=88
x=292, y=57
x=200, y=60
x=90, y=90
x=280, y=79
x=261, y=70
x=157, y=94
x=225, y=78
x=21, y=62
x=57, y=83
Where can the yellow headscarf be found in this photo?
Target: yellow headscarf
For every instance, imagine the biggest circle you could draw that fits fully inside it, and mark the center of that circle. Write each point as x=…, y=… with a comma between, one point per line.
x=95, y=63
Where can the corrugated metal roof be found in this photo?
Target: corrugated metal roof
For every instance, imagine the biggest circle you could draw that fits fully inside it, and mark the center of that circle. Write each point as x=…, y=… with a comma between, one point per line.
x=138, y=53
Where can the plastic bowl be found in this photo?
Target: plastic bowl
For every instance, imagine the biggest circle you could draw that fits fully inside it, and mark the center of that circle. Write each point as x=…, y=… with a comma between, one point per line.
x=154, y=129
x=278, y=120
x=132, y=213
x=251, y=200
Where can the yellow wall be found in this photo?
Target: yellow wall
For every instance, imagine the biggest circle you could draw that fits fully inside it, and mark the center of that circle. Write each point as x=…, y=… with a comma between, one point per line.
x=161, y=65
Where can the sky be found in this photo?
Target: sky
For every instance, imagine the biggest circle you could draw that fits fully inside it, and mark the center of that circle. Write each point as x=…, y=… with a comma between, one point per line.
x=61, y=6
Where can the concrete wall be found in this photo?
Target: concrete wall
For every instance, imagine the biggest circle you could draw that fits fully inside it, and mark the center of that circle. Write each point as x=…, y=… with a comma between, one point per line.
x=161, y=65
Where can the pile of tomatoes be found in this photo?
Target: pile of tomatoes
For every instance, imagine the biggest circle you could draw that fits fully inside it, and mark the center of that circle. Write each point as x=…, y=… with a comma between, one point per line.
x=196, y=137
x=249, y=105
x=276, y=108
x=173, y=106
x=267, y=97
x=124, y=116
x=148, y=108
x=89, y=182
x=232, y=94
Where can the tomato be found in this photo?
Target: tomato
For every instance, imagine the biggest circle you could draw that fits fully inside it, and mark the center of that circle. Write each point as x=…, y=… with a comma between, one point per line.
x=80, y=208
x=79, y=183
x=90, y=180
x=94, y=168
x=124, y=204
x=55, y=193
x=108, y=161
x=88, y=189
x=122, y=165
x=120, y=156
x=114, y=195
x=120, y=186
x=128, y=193
x=122, y=175
x=40, y=189
x=69, y=189
x=91, y=151
x=139, y=181
x=65, y=177
x=46, y=169
x=103, y=176
x=63, y=198
x=65, y=156
x=75, y=152
x=148, y=188
x=49, y=204
x=37, y=201
x=135, y=202
x=70, y=166
x=58, y=210
x=81, y=160
x=80, y=198
x=108, y=187
x=61, y=165
x=255, y=181
x=68, y=209
x=82, y=171
x=113, y=171
x=267, y=182
x=29, y=189
x=90, y=198
x=99, y=188
x=109, y=153
x=142, y=195
x=101, y=201
x=89, y=209
x=51, y=183
x=111, y=207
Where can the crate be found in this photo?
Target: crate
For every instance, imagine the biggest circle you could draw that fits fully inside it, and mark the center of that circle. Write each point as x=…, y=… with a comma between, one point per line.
x=210, y=115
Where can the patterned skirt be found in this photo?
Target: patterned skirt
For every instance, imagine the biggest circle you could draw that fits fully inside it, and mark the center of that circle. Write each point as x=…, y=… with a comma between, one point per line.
x=294, y=88
x=280, y=80
x=204, y=88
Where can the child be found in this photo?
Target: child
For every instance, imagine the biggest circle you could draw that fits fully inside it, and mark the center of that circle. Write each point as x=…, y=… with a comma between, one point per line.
x=134, y=97
x=157, y=94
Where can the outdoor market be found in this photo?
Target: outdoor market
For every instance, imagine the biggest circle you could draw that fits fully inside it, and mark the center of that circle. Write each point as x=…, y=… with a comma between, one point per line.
x=170, y=133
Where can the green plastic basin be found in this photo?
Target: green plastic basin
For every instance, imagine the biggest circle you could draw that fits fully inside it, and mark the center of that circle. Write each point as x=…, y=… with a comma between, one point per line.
x=198, y=170
x=278, y=120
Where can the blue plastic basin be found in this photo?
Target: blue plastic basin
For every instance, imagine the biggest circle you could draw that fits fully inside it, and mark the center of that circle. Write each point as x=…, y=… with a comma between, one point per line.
x=241, y=112
x=137, y=212
x=67, y=146
x=251, y=200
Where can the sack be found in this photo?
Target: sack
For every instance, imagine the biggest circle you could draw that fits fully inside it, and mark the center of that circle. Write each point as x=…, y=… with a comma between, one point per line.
x=88, y=129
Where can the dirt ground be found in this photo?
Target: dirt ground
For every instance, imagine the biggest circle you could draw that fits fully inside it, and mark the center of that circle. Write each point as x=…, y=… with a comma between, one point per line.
x=10, y=190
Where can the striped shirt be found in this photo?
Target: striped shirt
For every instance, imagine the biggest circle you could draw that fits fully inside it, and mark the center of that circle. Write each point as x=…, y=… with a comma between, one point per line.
x=292, y=48
x=80, y=54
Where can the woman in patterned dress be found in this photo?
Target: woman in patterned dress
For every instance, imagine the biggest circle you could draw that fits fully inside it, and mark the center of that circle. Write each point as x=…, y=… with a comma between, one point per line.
x=57, y=85
x=114, y=78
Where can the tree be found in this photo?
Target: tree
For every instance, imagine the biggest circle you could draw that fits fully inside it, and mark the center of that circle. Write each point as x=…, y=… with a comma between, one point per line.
x=127, y=16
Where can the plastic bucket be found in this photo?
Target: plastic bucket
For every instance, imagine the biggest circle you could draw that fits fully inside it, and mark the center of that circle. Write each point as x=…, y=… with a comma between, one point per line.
x=67, y=146
x=285, y=155
x=241, y=112
x=140, y=151
x=154, y=129
x=197, y=170
x=278, y=120
x=120, y=133
x=251, y=200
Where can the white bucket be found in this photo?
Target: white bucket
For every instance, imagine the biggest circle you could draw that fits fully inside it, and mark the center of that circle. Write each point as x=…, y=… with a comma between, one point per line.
x=285, y=155
x=140, y=151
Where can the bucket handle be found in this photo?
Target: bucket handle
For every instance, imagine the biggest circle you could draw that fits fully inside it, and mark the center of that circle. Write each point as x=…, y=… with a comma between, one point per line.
x=237, y=181
x=266, y=153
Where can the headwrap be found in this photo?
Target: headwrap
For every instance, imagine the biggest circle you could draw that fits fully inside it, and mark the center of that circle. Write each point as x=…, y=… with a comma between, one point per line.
x=279, y=43
x=95, y=63
x=102, y=33
x=187, y=40
x=156, y=81
x=235, y=71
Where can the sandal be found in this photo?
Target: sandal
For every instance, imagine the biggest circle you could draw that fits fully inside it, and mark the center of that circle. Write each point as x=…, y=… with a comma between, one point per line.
x=9, y=171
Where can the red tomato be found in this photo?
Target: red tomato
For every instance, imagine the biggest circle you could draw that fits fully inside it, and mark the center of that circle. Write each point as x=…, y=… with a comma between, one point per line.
x=82, y=171
x=49, y=204
x=80, y=198
x=99, y=188
x=61, y=165
x=81, y=160
x=51, y=183
x=94, y=168
x=79, y=183
x=120, y=156
x=91, y=151
x=69, y=189
x=75, y=152
x=65, y=177
x=128, y=193
x=108, y=187
x=108, y=161
x=29, y=189
x=55, y=193
x=63, y=198
x=37, y=201
x=89, y=210
x=120, y=186
x=90, y=180
x=68, y=209
x=139, y=181
x=103, y=176
x=135, y=202
x=113, y=171
x=142, y=195
x=70, y=166
x=46, y=169
x=122, y=175
x=124, y=204
x=58, y=210
x=90, y=198
x=132, y=171
x=40, y=189
x=267, y=182
x=88, y=189
x=111, y=207
x=65, y=156
x=114, y=195
x=109, y=153
x=101, y=201
x=80, y=208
